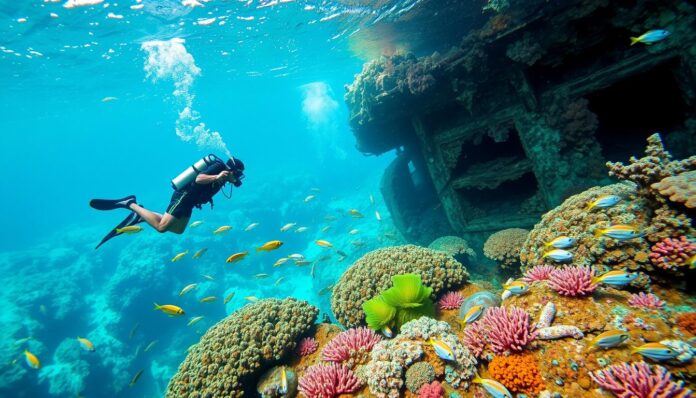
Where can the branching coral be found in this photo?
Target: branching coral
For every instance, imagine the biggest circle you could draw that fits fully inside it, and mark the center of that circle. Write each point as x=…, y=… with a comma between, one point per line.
x=236, y=348
x=639, y=380
x=307, y=346
x=672, y=253
x=519, y=373
x=504, y=246
x=351, y=346
x=372, y=274
x=572, y=281
x=328, y=381
x=450, y=301
x=508, y=329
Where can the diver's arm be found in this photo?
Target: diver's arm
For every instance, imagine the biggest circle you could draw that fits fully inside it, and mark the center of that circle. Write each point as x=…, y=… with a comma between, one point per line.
x=204, y=179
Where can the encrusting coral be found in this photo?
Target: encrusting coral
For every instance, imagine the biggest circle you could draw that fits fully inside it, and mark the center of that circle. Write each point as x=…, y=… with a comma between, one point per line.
x=504, y=246
x=235, y=349
x=372, y=273
x=519, y=373
x=679, y=189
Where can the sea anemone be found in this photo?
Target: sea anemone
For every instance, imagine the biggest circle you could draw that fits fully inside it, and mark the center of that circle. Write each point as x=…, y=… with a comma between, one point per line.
x=326, y=381
x=649, y=301
x=451, y=301
x=538, y=273
x=306, y=346
x=572, y=281
x=639, y=380
x=350, y=345
x=508, y=329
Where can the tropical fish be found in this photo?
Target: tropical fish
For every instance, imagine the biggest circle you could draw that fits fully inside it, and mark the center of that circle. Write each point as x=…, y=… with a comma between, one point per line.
x=296, y=257
x=372, y=199
x=268, y=246
x=492, y=387
x=287, y=226
x=619, y=232
x=280, y=262
x=236, y=257
x=341, y=253
x=651, y=36
x=195, y=224
x=378, y=216
x=179, y=256
x=187, y=289
x=277, y=282
x=326, y=289
x=109, y=99
x=283, y=380
x=32, y=360
x=169, y=309
x=357, y=243
x=222, y=229
x=355, y=213
x=353, y=231
x=559, y=255
x=208, y=277
x=131, y=229
x=656, y=351
x=252, y=299
x=387, y=332
x=199, y=253
x=301, y=229
x=228, y=298
x=261, y=276
x=473, y=314
x=329, y=218
x=311, y=272
x=302, y=263
x=132, y=331
x=195, y=320
x=608, y=339
x=615, y=278
x=208, y=299
x=561, y=242
x=86, y=344
x=326, y=228
x=24, y=340
x=604, y=202
x=309, y=198
x=150, y=346
x=136, y=378
x=251, y=226
x=323, y=243
x=516, y=287
x=692, y=262
x=442, y=349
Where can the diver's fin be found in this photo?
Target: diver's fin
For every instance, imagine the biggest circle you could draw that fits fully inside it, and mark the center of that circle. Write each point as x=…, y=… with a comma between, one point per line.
x=126, y=221
x=111, y=204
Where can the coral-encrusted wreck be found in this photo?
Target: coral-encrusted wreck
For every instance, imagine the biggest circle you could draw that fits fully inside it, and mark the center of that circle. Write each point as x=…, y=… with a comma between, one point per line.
x=526, y=111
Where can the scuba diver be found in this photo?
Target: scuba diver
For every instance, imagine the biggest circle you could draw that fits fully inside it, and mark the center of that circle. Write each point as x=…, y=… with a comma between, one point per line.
x=194, y=187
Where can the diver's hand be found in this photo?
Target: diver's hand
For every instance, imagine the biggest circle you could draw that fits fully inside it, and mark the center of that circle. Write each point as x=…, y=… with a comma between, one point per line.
x=222, y=176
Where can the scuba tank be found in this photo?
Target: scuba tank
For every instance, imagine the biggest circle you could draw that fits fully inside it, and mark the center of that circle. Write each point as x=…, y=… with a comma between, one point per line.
x=191, y=172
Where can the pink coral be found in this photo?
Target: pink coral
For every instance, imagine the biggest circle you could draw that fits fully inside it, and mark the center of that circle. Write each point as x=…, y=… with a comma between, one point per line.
x=508, y=329
x=307, y=346
x=639, y=380
x=475, y=338
x=327, y=381
x=349, y=344
x=538, y=273
x=649, y=301
x=672, y=253
x=451, y=301
x=432, y=390
x=572, y=281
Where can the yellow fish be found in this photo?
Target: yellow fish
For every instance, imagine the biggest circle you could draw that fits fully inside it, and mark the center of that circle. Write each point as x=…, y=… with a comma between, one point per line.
x=222, y=229
x=608, y=339
x=199, y=253
x=169, y=309
x=179, y=256
x=131, y=229
x=261, y=276
x=280, y=262
x=323, y=243
x=208, y=299
x=236, y=257
x=473, y=314
x=603, y=202
x=355, y=213
x=32, y=360
x=268, y=246
x=86, y=344
x=194, y=320
x=187, y=289
x=252, y=299
x=692, y=262
x=619, y=232
x=277, y=282
x=442, y=349
x=228, y=298
x=656, y=351
x=195, y=224
x=495, y=389
x=283, y=390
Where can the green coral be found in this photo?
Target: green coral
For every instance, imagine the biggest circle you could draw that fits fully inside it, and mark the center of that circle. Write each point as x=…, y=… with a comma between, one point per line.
x=406, y=300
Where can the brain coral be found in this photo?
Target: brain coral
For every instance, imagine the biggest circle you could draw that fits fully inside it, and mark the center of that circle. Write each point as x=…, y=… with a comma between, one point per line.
x=372, y=273
x=235, y=349
x=504, y=246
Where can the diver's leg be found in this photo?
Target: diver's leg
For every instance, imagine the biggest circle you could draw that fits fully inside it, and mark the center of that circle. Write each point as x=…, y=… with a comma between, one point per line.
x=150, y=217
x=174, y=224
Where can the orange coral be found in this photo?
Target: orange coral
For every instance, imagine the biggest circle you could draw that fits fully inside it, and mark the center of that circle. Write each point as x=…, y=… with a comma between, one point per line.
x=687, y=322
x=519, y=373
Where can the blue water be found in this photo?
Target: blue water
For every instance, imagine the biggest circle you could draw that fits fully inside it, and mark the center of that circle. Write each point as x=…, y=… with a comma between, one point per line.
x=272, y=87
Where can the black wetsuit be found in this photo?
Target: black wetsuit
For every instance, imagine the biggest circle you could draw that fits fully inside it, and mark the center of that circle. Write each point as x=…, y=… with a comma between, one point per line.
x=194, y=195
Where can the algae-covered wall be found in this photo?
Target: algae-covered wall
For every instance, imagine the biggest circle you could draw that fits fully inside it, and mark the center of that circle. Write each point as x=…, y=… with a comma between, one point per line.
x=528, y=108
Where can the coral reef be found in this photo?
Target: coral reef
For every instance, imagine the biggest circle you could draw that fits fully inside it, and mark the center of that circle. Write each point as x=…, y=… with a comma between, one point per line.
x=508, y=329
x=236, y=348
x=572, y=281
x=680, y=188
x=372, y=274
x=450, y=301
x=67, y=373
x=454, y=246
x=648, y=301
x=672, y=253
x=504, y=246
x=328, y=381
x=687, y=322
x=518, y=372
x=270, y=384
x=538, y=273
x=639, y=380
x=306, y=346
x=352, y=346
x=432, y=390
x=418, y=374
x=525, y=50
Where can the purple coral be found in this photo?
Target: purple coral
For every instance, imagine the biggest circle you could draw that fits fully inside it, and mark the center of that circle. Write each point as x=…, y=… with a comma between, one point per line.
x=649, y=301
x=572, y=281
x=307, y=346
x=327, y=381
x=451, y=301
x=538, y=273
x=508, y=329
x=638, y=380
x=349, y=343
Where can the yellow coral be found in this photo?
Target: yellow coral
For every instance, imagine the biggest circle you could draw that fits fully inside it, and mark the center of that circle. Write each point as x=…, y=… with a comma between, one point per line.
x=519, y=373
